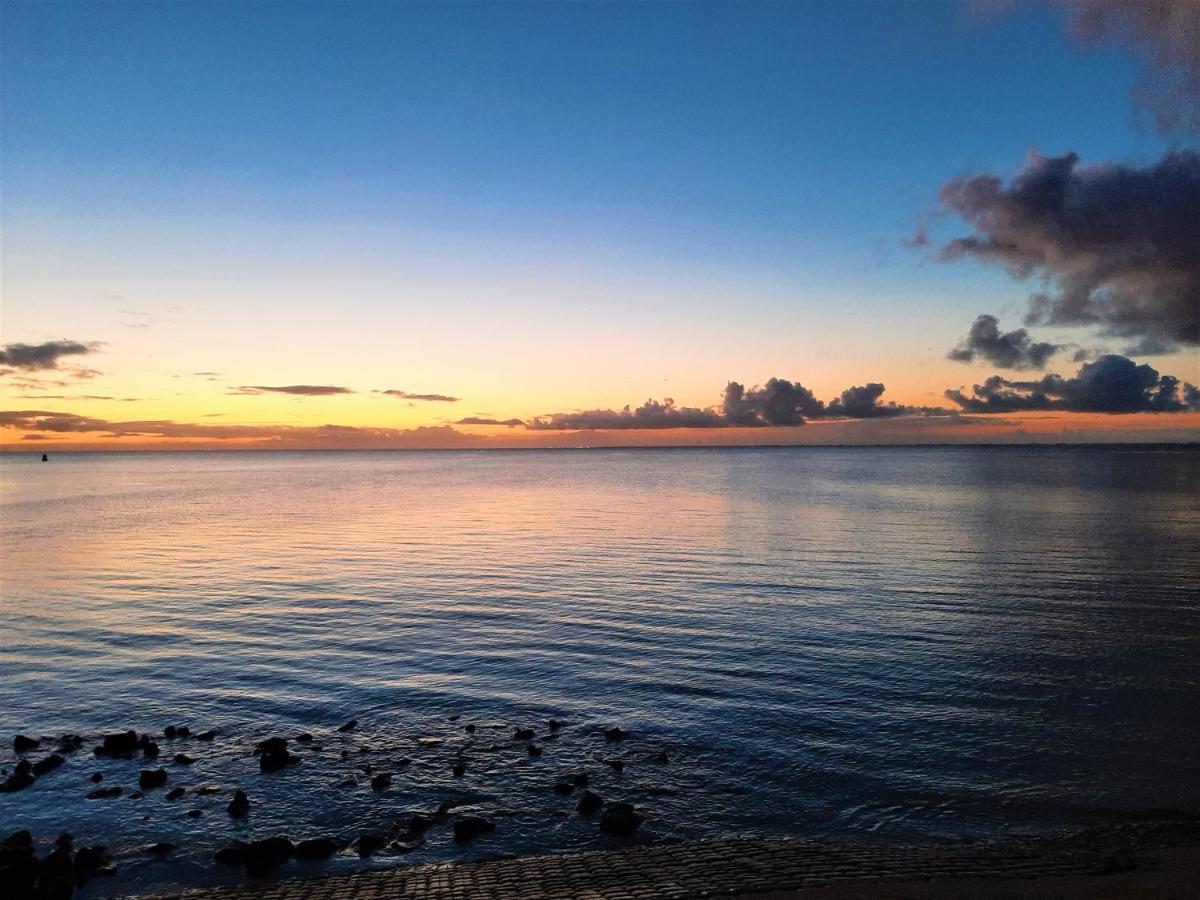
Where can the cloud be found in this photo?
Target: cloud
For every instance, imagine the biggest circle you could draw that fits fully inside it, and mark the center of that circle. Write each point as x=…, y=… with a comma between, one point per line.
x=405, y=395
x=778, y=402
x=863, y=403
x=1116, y=246
x=650, y=414
x=482, y=420
x=1167, y=34
x=1005, y=349
x=36, y=357
x=1110, y=384
x=299, y=390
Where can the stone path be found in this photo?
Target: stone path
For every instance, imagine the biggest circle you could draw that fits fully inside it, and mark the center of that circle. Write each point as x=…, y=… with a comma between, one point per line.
x=728, y=867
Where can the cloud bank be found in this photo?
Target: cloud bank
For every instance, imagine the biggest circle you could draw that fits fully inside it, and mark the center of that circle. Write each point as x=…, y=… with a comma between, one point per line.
x=1115, y=246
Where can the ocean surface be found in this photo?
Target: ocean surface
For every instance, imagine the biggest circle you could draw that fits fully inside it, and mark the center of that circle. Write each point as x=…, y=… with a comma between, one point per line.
x=879, y=643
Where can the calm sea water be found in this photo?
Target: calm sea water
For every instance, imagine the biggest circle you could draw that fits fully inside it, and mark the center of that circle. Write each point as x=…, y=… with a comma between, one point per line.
x=895, y=644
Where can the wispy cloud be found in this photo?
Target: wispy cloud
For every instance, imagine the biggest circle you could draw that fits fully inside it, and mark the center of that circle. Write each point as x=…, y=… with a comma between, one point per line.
x=407, y=395
x=299, y=390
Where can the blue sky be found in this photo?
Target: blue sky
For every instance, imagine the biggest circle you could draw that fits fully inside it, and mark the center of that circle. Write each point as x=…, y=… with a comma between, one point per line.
x=730, y=183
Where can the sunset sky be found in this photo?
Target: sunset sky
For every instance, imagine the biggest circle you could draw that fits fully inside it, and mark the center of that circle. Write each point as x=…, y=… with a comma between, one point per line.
x=386, y=225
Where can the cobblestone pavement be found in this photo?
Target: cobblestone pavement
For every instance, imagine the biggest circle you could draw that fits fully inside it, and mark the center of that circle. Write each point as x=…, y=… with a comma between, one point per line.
x=695, y=869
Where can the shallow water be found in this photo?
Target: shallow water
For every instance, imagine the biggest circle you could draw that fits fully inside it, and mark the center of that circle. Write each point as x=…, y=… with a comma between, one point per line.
x=890, y=643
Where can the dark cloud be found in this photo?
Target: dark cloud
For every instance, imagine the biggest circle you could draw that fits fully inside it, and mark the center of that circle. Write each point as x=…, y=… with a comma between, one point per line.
x=1167, y=35
x=299, y=390
x=651, y=414
x=405, y=395
x=34, y=357
x=863, y=403
x=483, y=420
x=1110, y=384
x=1151, y=346
x=778, y=402
x=1117, y=246
x=1005, y=349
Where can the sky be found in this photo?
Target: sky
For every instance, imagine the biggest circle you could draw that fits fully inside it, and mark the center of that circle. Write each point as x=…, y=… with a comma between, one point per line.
x=424, y=225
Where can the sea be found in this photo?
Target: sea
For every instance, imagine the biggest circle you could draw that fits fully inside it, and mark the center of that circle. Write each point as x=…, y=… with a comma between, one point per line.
x=892, y=644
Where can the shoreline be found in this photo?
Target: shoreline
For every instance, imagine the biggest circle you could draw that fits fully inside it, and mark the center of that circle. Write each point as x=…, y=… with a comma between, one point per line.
x=1153, y=859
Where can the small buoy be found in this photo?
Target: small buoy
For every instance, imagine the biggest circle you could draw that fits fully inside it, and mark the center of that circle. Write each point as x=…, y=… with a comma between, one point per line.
x=45, y=458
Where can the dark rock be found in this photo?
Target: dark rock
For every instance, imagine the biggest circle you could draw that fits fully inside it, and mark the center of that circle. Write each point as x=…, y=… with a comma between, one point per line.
x=97, y=777
x=523, y=734
x=150, y=750
x=554, y=724
x=349, y=726
x=91, y=862
x=23, y=744
x=614, y=734
x=16, y=782
x=183, y=731
x=69, y=743
x=563, y=787
x=122, y=743
x=455, y=717
x=304, y=739
x=194, y=813
x=18, y=871
x=272, y=745
x=419, y=823
x=162, y=848
x=533, y=750
x=273, y=761
x=468, y=828
x=24, y=767
x=152, y=778
x=262, y=856
x=169, y=732
x=381, y=781
x=183, y=759
x=64, y=840
x=459, y=769
x=232, y=854
x=369, y=842
x=49, y=764
x=581, y=779
x=175, y=793
x=589, y=803
x=617, y=765
x=620, y=819
x=207, y=735
x=105, y=793
x=470, y=729
x=56, y=874
x=317, y=848
x=239, y=805
x=661, y=757
x=18, y=840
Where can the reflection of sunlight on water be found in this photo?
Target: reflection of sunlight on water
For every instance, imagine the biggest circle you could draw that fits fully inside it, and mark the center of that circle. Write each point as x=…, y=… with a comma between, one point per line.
x=905, y=642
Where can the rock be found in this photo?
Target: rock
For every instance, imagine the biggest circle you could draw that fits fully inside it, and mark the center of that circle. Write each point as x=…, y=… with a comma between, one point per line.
x=459, y=769
x=18, y=781
x=96, y=777
x=369, y=842
x=348, y=727
x=589, y=803
x=533, y=750
x=18, y=840
x=69, y=743
x=18, y=871
x=419, y=823
x=176, y=731
x=262, y=856
x=207, y=735
x=55, y=873
x=49, y=764
x=303, y=739
x=271, y=745
x=175, y=793
x=121, y=743
x=661, y=757
x=23, y=744
x=469, y=729
x=468, y=828
x=152, y=778
x=162, y=848
x=194, y=813
x=24, y=767
x=232, y=854
x=554, y=724
x=617, y=765
x=169, y=732
x=614, y=734
x=563, y=787
x=381, y=781
x=272, y=761
x=183, y=759
x=317, y=848
x=91, y=862
x=150, y=750
x=620, y=819
x=581, y=779
x=64, y=840
x=523, y=734
x=239, y=806
x=105, y=793
x=455, y=717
